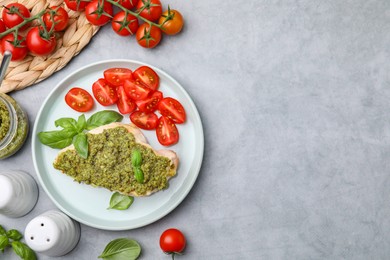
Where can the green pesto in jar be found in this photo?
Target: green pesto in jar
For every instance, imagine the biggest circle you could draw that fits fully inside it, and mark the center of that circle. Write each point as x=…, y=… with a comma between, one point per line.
x=14, y=126
x=109, y=163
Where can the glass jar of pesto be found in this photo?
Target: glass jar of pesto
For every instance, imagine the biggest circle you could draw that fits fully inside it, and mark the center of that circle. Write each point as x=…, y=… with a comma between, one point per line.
x=13, y=126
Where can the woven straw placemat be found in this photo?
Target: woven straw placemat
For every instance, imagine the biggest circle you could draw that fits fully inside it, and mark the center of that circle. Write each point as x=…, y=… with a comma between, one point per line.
x=34, y=69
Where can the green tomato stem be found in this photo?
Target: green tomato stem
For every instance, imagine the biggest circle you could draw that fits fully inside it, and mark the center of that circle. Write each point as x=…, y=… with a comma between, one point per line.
x=26, y=21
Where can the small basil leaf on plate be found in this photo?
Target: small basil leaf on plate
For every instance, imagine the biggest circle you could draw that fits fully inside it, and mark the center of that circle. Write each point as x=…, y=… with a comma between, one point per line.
x=57, y=139
x=136, y=158
x=80, y=143
x=121, y=249
x=139, y=175
x=14, y=234
x=81, y=123
x=4, y=242
x=23, y=251
x=66, y=122
x=102, y=118
x=120, y=202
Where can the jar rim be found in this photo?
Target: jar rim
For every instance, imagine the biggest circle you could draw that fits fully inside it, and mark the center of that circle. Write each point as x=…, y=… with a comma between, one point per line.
x=13, y=123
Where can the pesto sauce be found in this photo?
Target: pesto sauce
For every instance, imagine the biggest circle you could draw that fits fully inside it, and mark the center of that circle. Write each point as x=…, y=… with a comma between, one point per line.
x=109, y=163
x=4, y=120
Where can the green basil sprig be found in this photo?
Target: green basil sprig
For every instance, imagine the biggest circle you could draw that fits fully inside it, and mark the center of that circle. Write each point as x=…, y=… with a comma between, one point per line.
x=11, y=238
x=23, y=251
x=120, y=202
x=73, y=132
x=121, y=249
x=136, y=161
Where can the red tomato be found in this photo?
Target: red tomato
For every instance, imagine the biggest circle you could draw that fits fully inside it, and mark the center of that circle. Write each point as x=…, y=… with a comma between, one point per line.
x=129, y=4
x=59, y=16
x=172, y=109
x=79, y=99
x=150, y=9
x=172, y=241
x=124, y=26
x=147, y=76
x=149, y=104
x=13, y=15
x=172, y=22
x=135, y=90
x=99, y=12
x=2, y=26
x=76, y=5
x=117, y=76
x=104, y=93
x=39, y=45
x=147, y=36
x=167, y=133
x=19, y=51
x=125, y=104
x=144, y=120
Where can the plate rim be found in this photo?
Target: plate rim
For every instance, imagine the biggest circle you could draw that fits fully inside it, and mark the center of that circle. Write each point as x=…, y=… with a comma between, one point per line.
x=170, y=206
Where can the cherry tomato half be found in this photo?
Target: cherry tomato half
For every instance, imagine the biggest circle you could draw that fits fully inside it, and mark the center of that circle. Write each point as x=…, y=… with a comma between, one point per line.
x=104, y=93
x=167, y=133
x=144, y=120
x=98, y=14
x=149, y=104
x=124, y=25
x=59, y=16
x=172, y=109
x=79, y=99
x=76, y=5
x=135, y=90
x=147, y=76
x=39, y=45
x=172, y=22
x=151, y=9
x=19, y=52
x=129, y=4
x=148, y=36
x=172, y=241
x=117, y=76
x=124, y=103
x=14, y=14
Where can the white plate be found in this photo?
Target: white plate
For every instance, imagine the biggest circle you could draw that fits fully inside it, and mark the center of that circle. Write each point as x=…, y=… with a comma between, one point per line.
x=87, y=204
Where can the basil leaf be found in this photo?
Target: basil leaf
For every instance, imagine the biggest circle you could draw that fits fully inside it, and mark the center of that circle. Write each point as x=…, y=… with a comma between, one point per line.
x=66, y=122
x=57, y=139
x=81, y=123
x=120, y=202
x=80, y=143
x=4, y=242
x=102, y=118
x=138, y=175
x=23, y=251
x=2, y=230
x=136, y=158
x=14, y=234
x=121, y=249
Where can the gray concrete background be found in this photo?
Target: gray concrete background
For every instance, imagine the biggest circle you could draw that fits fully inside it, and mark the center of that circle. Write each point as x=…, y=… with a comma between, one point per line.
x=295, y=102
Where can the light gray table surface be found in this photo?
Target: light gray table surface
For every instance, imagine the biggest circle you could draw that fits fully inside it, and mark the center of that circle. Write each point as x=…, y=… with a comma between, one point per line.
x=294, y=97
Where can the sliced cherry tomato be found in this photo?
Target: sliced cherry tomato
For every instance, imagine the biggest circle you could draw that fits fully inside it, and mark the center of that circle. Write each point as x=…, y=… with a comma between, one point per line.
x=147, y=76
x=150, y=9
x=37, y=44
x=129, y=4
x=99, y=12
x=104, y=93
x=76, y=5
x=79, y=99
x=117, y=76
x=135, y=90
x=14, y=14
x=19, y=51
x=172, y=109
x=172, y=22
x=166, y=132
x=124, y=25
x=147, y=36
x=124, y=103
x=59, y=16
x=144, y=120
x=149, y=104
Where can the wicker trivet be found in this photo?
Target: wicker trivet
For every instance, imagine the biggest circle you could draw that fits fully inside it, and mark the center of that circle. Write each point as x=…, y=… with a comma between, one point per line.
x=33, y=69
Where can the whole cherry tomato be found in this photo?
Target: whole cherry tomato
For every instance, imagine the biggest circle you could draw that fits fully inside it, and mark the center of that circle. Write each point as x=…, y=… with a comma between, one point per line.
x=172, y=22
x=14, y=14
x=38, y=44
x=148, y=36
x=129, y=4
x=124, y=25
x=99, y=12
x=17, y=47
x=150, y=9
x=172, y=241
x=76, y=5
x=59, y=16
x=2, y=26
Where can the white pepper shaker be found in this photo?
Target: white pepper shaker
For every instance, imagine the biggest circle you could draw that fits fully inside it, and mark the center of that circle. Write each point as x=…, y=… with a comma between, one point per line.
x=52, y=233
x=18, y=193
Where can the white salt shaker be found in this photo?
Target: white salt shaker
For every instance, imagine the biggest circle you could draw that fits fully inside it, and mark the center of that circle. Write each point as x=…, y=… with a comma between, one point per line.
x=18, y=193
x=52, y=233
